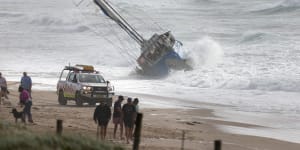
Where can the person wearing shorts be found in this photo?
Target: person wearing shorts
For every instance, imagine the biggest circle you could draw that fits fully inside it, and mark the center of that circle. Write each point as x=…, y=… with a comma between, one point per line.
x=129, y=112
x=117, y=116
x=102, y=116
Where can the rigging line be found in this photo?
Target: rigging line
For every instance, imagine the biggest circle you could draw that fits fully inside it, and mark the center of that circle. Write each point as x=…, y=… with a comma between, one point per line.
x=78, y=3
x=123, y=50
x=98, y=34
x=148, y=18
x=119, y=20
x=130, y=61
x=124, y=43
x=129, y=32
x=133, y=62
x=126, y=51
x=139, y=36
x=113, y=43
x=135, y=33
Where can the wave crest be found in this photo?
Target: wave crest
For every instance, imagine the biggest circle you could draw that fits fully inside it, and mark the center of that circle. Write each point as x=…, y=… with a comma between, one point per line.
x=58, y=24
x=51, y=21
x=218, y=78
x=253, y=36
x=10, y=14
x=285, y=6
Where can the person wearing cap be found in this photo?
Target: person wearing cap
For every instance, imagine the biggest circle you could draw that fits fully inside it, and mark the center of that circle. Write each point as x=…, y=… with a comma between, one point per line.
x=102, y=116
x=3, y=86
x=129, y=112
x=117, y=116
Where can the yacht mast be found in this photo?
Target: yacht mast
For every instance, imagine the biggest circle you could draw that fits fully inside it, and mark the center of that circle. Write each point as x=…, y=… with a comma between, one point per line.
x=114, y=15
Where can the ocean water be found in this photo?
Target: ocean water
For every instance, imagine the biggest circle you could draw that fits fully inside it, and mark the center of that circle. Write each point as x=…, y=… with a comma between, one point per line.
x=245, y=54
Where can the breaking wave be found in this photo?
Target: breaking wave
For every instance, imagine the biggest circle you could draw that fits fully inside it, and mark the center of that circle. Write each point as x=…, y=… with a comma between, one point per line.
x=253, y=36
x=260, y=83
x=282, y=84
x=51, y=21
x=6, y=14
x=282, y=7
x=205, y=52
x=79, y=28
x=223, y=78
x=214, y=71
x=290, y=3
x=58, y=24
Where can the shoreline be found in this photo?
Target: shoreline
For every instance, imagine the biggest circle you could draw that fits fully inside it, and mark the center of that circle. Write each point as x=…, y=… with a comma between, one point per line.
x=162, y=127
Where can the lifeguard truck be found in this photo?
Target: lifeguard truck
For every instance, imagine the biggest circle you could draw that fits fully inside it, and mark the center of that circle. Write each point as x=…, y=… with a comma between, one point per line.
x=83, y=84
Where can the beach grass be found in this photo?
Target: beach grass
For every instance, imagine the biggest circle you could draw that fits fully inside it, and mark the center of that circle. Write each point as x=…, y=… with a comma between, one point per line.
x=17, y=137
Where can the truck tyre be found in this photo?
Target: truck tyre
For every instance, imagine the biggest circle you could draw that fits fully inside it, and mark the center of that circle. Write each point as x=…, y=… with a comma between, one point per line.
x=78, y=99
x=61, y=98
x=92, y=103
x=109, y=102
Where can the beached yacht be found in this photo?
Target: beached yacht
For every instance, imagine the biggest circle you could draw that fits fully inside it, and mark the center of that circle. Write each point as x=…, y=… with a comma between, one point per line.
x=157, y=56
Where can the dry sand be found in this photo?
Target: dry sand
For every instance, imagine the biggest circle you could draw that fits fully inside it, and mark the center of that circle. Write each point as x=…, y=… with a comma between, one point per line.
x=162, y=128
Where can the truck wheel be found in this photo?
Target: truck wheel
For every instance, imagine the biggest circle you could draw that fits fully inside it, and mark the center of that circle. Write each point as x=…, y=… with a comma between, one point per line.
x=61, y=98
x=78, y=99
x=109, y=103
x=92, y=103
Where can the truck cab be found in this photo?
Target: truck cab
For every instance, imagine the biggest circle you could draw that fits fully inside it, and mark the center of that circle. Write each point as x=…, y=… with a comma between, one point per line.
x=83, y=84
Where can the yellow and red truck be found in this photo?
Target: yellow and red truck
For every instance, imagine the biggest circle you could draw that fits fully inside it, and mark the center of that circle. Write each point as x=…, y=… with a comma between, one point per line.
x=83, y=84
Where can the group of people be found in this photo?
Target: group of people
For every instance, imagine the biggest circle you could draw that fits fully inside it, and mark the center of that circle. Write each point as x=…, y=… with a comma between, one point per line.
x=122, y=115
x=25, y=94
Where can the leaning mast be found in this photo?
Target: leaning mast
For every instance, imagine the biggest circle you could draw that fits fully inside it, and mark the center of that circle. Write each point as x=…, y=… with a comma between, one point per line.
x=114, y=15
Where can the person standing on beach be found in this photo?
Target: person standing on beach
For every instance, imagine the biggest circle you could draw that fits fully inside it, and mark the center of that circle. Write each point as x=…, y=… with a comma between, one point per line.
x=136, y=105
x=102, y=116
x=117, y=116
x=26, y=83
x=26, y=101
x=3, y=86
x=129, y=113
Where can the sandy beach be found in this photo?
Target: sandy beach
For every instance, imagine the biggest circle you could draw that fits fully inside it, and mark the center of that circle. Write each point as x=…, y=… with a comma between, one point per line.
x=162, y=127
x=243, y=87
